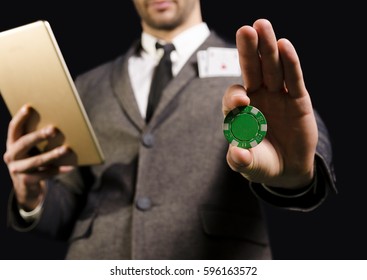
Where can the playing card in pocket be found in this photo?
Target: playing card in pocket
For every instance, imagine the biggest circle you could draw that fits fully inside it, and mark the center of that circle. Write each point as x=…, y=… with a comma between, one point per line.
x=217, y=62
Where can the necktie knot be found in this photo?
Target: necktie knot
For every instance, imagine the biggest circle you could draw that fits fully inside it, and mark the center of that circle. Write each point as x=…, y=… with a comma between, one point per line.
x=167, y=48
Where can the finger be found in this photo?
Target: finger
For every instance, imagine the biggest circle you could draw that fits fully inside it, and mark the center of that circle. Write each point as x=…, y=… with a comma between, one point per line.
x=32, y=178
x=21, y=148
x=234, y=96
x=38, y=163
x=16, y=125
x=247, y=46
x=239, y=159
x=66, y=168
x=292, y=69
x=272, y=70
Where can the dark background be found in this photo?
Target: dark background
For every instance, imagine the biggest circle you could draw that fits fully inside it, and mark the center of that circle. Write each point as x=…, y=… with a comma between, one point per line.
x=329, y=45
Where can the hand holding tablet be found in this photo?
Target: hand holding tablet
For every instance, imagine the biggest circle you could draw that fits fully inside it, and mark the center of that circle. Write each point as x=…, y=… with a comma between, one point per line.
x=33, y=72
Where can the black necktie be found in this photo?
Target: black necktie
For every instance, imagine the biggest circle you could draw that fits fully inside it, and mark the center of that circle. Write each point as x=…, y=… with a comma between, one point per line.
x=162, y=75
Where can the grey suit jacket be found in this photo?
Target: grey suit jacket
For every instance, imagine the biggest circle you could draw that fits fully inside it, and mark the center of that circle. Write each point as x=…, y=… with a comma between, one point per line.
x=165, y=190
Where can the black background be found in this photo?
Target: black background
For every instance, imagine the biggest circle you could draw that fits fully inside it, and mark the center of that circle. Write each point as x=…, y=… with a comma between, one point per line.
x=329, y=43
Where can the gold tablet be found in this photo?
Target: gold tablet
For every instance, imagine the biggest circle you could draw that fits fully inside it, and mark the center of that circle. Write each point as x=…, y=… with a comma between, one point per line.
x=33, y=71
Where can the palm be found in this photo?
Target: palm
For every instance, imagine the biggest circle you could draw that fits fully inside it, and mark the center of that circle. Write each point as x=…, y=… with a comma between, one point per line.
x=291, y=136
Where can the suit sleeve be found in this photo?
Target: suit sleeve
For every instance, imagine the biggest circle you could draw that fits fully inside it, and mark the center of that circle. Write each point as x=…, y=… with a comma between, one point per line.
x=63, y=201
x=312, y=196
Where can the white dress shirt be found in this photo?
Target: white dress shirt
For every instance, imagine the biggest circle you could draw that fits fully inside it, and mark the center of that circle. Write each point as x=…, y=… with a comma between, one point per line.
x=141, y=67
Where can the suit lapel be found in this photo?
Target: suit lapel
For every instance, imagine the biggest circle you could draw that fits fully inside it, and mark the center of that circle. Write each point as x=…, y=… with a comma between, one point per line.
x=122, y=88
x=187, y=73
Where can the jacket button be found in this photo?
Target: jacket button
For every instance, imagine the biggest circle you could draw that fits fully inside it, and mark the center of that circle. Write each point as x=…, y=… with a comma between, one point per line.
x=148, y=140
x=143, y=203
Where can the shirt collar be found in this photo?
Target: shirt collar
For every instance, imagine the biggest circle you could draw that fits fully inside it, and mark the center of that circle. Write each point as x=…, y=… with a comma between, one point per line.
x=184, y=44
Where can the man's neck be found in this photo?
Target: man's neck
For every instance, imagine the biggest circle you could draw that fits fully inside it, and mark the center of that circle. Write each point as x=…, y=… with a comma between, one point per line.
x=168, y=35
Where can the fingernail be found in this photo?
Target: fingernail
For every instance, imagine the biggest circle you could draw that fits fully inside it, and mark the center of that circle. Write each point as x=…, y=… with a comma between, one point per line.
x=24, y=109
x=61, y=150
x=48, y=131
x=237, y=95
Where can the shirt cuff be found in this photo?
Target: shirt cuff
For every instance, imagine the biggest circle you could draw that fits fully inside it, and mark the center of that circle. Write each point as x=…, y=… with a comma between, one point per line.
x=31, y=216
x=292, y=193
x=302, y=199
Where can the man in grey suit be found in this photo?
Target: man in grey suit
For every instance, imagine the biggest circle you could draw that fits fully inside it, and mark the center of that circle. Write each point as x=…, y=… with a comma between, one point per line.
x=173, y=188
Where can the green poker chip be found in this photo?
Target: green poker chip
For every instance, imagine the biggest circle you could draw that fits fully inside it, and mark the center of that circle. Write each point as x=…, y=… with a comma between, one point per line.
x=245, y=127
